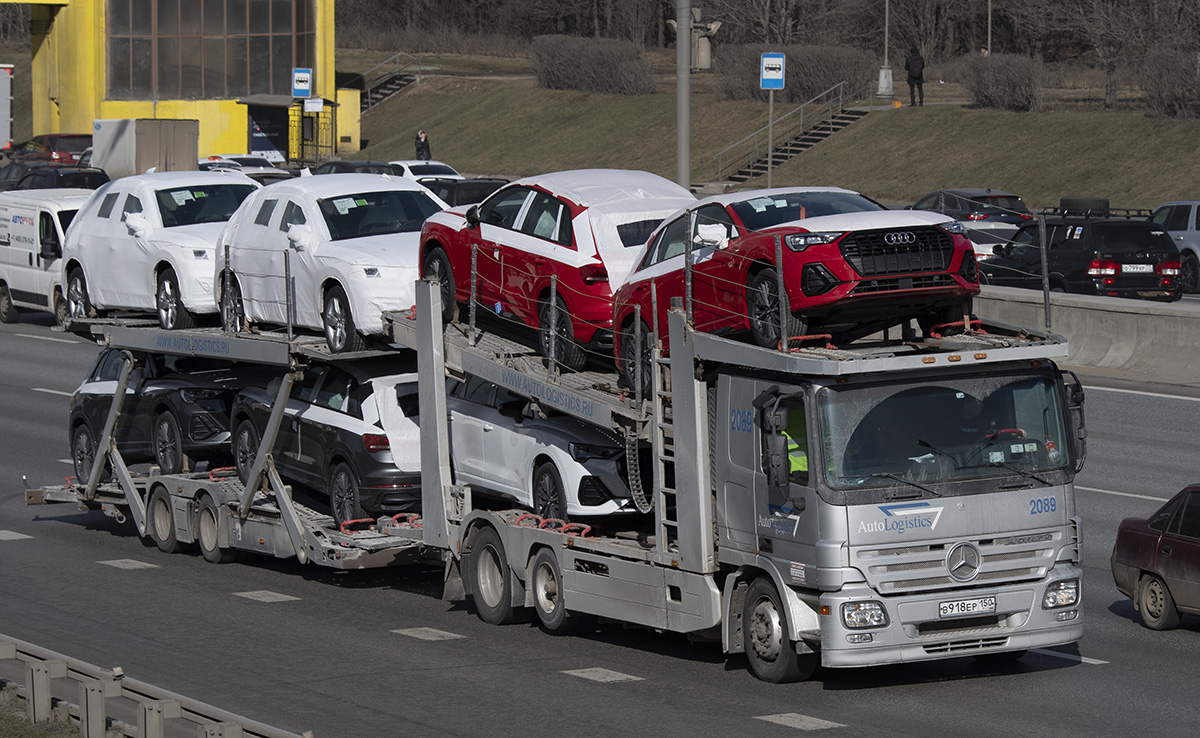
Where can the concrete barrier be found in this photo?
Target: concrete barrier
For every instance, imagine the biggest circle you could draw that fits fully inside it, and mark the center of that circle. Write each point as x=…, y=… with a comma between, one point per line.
x=1160, y=341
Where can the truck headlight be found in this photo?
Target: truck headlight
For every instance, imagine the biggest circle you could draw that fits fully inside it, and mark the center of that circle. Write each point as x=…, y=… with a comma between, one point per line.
x=1061, y=594
x=864, y=615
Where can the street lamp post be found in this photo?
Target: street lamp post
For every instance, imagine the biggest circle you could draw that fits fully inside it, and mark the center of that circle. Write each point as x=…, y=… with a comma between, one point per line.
x=885, y=72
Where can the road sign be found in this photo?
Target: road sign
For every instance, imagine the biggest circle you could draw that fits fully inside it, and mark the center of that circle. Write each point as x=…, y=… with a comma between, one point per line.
x=301, y=82
x=771, y=77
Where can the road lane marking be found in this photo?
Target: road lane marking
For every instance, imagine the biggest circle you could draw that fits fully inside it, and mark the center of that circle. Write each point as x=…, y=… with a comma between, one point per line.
x=67, y=461
x=1067, y=656
x=428, y=634
x=128, y=564
x=51, y=392
x=12, y=535
x=1142, y=392
x=603, y=675
x=798, y=721
x=265, y=595
x=46, y=338
x=1122, y=494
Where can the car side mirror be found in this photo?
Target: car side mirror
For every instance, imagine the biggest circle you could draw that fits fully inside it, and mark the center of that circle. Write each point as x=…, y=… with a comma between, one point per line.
x=301, y=236
x=138, y=225
x=715, y=235
x=473, y=216
x=514, y=409
x=51, y=248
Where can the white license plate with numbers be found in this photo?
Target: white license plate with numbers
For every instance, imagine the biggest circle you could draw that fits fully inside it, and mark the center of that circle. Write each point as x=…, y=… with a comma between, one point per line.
x=1137, y=268
x=958, y=608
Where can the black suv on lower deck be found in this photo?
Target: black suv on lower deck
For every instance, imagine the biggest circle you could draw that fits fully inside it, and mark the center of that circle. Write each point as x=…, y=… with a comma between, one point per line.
x=1093, y=250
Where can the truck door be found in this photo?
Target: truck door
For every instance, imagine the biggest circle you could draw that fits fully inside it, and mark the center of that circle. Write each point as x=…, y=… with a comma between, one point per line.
x=47, y=257
x=786, y=514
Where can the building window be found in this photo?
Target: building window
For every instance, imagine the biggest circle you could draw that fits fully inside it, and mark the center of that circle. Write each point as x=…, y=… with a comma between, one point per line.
x=205, y=49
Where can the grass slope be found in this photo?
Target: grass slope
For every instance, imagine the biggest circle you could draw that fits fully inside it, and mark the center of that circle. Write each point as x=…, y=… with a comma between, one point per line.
x=509, y=127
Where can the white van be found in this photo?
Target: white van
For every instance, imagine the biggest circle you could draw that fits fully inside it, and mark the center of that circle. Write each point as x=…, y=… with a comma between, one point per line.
x=33, y=227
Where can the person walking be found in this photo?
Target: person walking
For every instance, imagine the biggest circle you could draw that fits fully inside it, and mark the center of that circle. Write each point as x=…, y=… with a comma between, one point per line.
x=423, y=146
x=916, y=76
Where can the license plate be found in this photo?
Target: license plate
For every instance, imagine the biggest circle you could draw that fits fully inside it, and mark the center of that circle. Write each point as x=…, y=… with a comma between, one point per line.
x=1137, y=268
x=957, y=608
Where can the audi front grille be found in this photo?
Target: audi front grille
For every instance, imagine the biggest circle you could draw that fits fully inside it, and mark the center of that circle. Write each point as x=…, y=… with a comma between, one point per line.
x=898, y=251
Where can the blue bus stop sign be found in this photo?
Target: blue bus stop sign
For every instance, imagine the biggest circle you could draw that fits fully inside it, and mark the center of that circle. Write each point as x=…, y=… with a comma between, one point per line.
x=771, y=77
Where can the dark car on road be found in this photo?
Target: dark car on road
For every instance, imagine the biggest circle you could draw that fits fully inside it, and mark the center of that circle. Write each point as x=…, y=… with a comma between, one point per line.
x=990, y=216
x=1092, y=250
x=13, y=172
x=1156, y=561
x=176, y=410
x=350, y=430
x=46, y=178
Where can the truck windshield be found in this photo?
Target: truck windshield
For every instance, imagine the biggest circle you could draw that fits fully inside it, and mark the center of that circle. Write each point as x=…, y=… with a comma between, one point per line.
x=374, y=213
x=946, y=430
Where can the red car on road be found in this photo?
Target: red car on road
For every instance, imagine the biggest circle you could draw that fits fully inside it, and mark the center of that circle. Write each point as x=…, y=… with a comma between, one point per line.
x=850, y=268
x=584, y=227
x=1156, y=561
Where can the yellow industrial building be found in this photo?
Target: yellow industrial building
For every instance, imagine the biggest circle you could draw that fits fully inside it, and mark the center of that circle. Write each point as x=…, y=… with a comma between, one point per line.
x=226, y=63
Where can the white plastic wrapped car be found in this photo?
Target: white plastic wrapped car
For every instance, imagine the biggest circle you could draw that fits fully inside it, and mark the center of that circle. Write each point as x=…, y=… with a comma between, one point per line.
x=349, y=242
x=147, y=243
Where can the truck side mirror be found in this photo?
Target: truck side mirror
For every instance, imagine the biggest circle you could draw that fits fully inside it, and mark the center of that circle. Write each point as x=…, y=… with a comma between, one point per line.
x=51, y=248
x=775, y=463
x=473, y=216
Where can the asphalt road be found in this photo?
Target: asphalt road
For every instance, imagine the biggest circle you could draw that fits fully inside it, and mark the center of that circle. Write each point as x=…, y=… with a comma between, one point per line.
x=326, y=655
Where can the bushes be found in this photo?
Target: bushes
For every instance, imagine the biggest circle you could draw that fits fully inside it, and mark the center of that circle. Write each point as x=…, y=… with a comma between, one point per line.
x=1171, y=83
x=1005, y=82
x=810, y=71
x=591, y=65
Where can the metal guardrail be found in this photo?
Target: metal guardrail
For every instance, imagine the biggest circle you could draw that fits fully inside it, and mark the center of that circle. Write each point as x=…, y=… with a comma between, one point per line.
x=384, y=69
x=110, y=702
x=789, y=126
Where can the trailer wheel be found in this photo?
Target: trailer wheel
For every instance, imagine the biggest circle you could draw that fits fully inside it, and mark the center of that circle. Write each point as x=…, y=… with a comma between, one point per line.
x=160, y=521
x=491, y=579
x=245, y=448
x=772, y=655
x=8, y=311
x=207, y=527
x=172, y=315
x=168, y=443
x=548, y=594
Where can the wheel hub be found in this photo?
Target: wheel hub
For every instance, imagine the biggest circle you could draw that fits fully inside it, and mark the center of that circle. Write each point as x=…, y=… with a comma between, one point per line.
x=766, y=631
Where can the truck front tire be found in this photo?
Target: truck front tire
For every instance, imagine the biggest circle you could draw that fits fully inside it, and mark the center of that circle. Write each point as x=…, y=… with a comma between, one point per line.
x=771, y=653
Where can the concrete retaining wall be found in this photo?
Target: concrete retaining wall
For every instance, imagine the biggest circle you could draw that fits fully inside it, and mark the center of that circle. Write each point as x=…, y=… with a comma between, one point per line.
x=1160, y=341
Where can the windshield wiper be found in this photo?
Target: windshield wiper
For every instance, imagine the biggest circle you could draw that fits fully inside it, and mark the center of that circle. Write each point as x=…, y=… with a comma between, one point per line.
x=1011, y=468
x=957, y=466
x=902, y=480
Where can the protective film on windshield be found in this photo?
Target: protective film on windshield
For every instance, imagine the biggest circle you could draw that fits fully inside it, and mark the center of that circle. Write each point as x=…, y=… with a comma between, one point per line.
x=956, y=429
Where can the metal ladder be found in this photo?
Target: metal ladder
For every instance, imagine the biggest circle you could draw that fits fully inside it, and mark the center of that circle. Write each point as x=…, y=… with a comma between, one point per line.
x=663, y=445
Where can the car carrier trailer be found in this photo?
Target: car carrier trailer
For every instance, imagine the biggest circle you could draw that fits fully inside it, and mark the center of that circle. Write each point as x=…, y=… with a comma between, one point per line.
x=794, y=567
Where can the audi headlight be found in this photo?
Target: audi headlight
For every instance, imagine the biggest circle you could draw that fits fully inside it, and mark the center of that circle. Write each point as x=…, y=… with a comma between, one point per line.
x=199, y=254
x=801, y=241
x=954, y=227
x=371, y=271
x=1061, y=594
x=208, y=399
x=585, y=451
x=868, y=614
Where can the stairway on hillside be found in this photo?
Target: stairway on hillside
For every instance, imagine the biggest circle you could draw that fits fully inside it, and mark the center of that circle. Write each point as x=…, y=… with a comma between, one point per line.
x=806, y=140
x=389, y=86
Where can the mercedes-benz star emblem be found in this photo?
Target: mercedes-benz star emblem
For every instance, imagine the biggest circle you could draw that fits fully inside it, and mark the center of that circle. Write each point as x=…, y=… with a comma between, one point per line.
x=963, y=561
x=896, y=238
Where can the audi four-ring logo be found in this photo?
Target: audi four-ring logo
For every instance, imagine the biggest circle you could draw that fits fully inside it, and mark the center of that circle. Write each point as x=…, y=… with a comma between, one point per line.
x=899, y=237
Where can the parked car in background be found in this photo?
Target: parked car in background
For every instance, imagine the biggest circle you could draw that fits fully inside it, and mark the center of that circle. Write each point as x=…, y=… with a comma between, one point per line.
x=175, y=412
x=33, y=227
x=990, y=216
x=14, y=171
x=147, y=242
x=245, y=163
x=584, y=228
x=1181, y=221
x=48, y=178
x=349, y=242
x=1093, y=250
x=463, y=191
x=558, y=466
x=63, y=148
x=360, y=166
x=1156, y=561
x=349, y=433
x=850, y=268
x=421, y=170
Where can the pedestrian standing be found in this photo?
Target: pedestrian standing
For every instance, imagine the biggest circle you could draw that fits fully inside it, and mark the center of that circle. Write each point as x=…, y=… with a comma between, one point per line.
x=916, y=76
x=423, y=146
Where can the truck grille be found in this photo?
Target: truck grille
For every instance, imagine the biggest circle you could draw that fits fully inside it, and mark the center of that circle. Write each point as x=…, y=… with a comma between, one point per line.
x=895, y=570
x=913, y=250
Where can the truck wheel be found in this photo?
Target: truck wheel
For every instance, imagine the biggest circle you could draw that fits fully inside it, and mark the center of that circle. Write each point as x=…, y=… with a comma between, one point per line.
x=772, y=655
x=1189, y=273
x=8, y=311
x=172, y=315
x=168, y=443
x=548, y=594
x=343, y=495
x=340, y=334
x=549, y=497
x=762, y=303
x=437, y=265
x=1156, y=604
x=635, y=359
x=207, y=525
x=233, y=310
x=568, y=354
x=160, y=521
x=245, y=448
x=78, y=305
x=491, y=578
